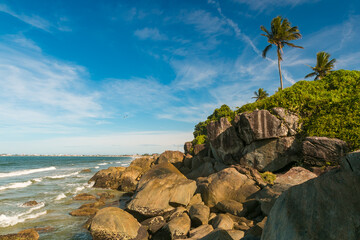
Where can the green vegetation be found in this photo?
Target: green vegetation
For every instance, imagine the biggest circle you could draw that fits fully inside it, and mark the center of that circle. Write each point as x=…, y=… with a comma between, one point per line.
x=200, y=131
x=268, y=177
x=328, y=107
x=280, y=35
x=260, y=94
x=323, y=66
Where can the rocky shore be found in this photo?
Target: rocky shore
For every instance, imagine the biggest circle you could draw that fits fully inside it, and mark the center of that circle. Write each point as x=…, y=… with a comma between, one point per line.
x=257, y=178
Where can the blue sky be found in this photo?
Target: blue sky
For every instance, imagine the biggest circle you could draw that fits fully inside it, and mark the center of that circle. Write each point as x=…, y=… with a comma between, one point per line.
x=123, y=77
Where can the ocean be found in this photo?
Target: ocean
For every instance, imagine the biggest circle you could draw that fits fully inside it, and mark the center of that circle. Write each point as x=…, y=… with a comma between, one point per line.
x=52, y=182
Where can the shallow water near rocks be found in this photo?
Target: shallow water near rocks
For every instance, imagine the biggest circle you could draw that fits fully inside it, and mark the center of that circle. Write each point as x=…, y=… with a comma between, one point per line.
x=52, y=182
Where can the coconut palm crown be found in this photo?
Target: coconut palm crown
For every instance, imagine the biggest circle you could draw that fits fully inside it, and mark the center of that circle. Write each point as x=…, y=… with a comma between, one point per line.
x=260, y=94
x=323, y=65
x=280, y=35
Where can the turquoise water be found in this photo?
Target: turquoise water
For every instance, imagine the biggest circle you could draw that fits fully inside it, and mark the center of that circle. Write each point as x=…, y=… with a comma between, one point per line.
x=52, y=182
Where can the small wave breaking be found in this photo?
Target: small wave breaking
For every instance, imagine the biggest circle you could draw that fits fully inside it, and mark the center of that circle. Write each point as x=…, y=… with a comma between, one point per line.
x=6, y=221
x=16, y=185
x=26, y=172
x=63, y=176
x=60, y=196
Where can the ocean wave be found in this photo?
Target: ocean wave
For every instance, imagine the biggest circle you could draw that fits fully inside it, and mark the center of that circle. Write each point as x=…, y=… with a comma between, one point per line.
x=26, y=172
x=63, y=176
x=102, y=164
x=60, y=196
x=97, y=167
x=16, y=185
x=6, y=221
x=80, y=188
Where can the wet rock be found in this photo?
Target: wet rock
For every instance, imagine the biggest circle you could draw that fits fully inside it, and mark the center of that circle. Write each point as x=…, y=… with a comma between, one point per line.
x=160, y=190
x=85, y=170
x=220, y=186
x=259, y=125
x=322, y=151
x=96, y=204
x=84, y=197
x=199, y=214
x=85, y=211
x=28, y=234
x=105, y=195
x=30, y=203
x=115, y=223
x=225, y=144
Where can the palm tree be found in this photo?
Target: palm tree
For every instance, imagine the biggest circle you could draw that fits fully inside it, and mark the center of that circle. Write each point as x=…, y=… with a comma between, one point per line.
x=260, y=94
x=323, y=65
x=280, y=35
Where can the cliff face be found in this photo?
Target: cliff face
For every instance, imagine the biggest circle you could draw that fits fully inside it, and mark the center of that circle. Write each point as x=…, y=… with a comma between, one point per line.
x=268, y=142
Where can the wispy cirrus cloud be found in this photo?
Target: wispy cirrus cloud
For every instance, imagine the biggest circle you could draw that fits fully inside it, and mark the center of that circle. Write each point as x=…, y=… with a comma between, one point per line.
x=265, y=5
x=150, y=33
x=39, y=90
x=33, y=20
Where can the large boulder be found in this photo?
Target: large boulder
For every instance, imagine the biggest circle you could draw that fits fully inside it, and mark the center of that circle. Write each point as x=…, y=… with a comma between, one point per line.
x=322, y=151
x=259, y=125
x=176, y=228
x=271, y=154
x=225, y=144
x=174, y=157
x=231, y=206
x=108, y=178
x=161, y=189
x=268, y=195
x=201, y=231
x=227, y=184
x=222, y=221
x=115, y=223
x=201, y=150
x=290, y=119
x=203, y=170
x=27, y=234
x=188, y=148
x=326, y=207
x=199, y=214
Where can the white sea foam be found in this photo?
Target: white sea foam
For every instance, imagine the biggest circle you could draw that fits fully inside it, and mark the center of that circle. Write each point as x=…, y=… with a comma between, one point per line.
x=60, y=196
x=63, y=176
x=102, y=164
x=37, y=180
x=6, y=221
x=16, y=185
x=25, y=172
x=97, y=167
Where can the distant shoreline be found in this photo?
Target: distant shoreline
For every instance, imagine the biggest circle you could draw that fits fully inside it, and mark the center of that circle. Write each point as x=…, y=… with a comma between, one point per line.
x=65, y=155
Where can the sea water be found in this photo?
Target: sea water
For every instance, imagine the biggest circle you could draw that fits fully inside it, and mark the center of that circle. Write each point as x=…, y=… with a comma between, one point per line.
x=52, y=182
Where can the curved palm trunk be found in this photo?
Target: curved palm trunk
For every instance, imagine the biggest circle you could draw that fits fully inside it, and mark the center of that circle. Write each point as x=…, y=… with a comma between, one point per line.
x=279, y=65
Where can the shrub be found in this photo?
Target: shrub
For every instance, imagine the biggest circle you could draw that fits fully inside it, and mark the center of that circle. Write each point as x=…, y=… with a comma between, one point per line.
x=268, y=177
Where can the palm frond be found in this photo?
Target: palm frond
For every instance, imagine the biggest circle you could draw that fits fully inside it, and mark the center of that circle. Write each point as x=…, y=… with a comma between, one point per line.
x=266, y=50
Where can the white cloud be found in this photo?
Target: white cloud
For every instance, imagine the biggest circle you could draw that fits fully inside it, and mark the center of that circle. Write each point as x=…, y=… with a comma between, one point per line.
x=22, y=41
x=204, y=22
x=264, y=5
x=32, y=20
x=40, y=90
x=191, y=74
x=150, y=33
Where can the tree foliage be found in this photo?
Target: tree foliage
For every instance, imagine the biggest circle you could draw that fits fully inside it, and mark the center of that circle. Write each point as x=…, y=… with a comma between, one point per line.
x=323, y=66
x=328, y=107
x=280, y=34
x=260, y=94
